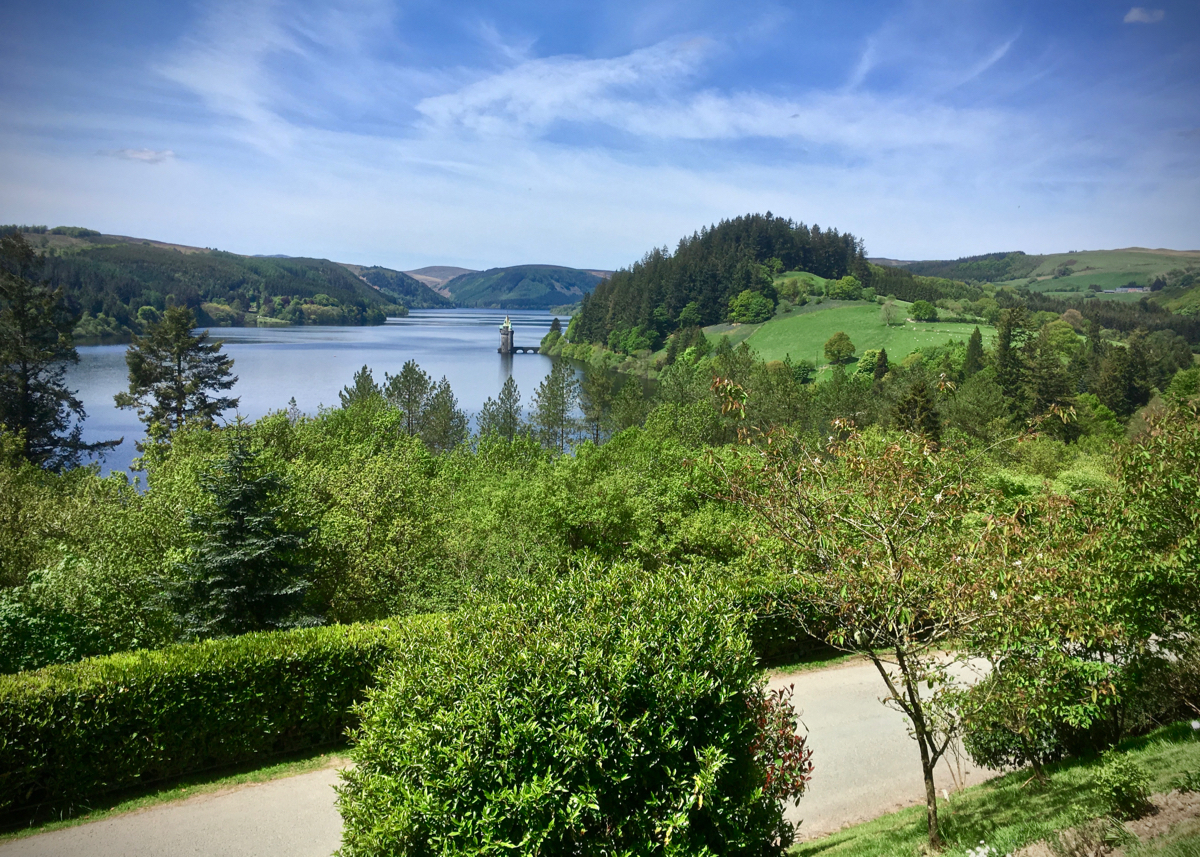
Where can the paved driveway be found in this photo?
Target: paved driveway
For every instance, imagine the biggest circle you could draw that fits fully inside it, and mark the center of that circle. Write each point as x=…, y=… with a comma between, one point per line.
x=865, y=765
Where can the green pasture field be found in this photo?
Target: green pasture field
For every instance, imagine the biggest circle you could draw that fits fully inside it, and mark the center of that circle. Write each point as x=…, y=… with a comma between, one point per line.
x=1009, y=812
x=1107, y=268
x=802, y=335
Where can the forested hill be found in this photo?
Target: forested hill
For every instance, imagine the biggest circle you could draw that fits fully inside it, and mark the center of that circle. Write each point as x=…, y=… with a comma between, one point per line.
x=709, y=269
x=988, y=268
x=119, y=283
x=407, y=289
x=521, y=287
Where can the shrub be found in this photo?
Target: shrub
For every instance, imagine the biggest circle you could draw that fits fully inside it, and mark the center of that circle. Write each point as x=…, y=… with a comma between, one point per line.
x=924, y=311
x=613, y=714
x=71, y=732
x=1123, y=786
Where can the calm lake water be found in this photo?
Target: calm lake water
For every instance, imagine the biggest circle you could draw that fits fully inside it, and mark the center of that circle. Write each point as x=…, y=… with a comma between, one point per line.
x=315, y=363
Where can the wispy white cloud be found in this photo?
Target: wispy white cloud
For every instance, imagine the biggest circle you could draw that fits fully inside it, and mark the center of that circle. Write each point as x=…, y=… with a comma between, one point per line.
x=145, y=156
x=1142, y=15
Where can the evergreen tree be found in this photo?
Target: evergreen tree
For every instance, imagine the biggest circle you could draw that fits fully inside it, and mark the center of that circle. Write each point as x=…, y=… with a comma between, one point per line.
x=974, y=359
x=629, y=407
x=502, y=416
x=1123, y=384
x=362, y=389
x=1009, y=355
x=881, y=366
x=554, y=406
x=409, y=391
x=917, y=413
x=443, y=422
x=36, y=407
x=247, y=572
x=174, y=373
x=1048, y=382
x=595, y=399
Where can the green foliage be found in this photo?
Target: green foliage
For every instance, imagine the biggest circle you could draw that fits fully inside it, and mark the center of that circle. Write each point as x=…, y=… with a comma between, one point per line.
x=1123, y=786
x=403, y=289
x=924, y=311
x=709, y=271
x=174, y=373
x=553, y=407
x=848, y=288
x=502, y=416
x=615, y=713
x=72, y=732
x=521, y=287
x=36, y=407
x=246, y=572
x=751, y=308
x=362, y=389
x=839, y=348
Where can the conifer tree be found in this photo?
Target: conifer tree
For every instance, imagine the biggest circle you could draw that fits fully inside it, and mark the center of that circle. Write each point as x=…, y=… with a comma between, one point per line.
x=974, y=359
x=917, y=413
x=247, y=572
x=409, y=391
x=554, y=406
x=881, y=365
x=1009, y=355
x=36, y=407
x=502, y=416
x=361, y=389
x=595, y=399
x=443, y=422
x=174, y=373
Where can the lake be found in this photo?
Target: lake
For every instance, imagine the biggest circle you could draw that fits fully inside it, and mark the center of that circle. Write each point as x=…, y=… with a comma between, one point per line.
x=313, y=364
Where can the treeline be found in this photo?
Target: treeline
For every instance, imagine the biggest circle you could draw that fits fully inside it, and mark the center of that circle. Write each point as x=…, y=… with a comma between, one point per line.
x=116, y=288
x=708, y=270
x=987, y=268
x=1113, y=315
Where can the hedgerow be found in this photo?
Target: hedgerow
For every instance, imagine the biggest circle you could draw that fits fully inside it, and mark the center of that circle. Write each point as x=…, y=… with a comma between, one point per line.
x=71, y=732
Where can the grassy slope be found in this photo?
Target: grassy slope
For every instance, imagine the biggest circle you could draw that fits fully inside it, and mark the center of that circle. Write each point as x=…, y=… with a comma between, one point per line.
x=803, y=334
x=1108, y=269
x=1006, y=813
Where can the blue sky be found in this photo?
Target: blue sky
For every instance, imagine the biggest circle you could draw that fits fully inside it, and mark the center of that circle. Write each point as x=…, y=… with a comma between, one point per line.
x=481, y=134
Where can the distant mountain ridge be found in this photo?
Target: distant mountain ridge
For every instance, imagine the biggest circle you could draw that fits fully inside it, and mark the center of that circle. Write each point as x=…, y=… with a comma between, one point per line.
x=522, y=287
x=404, y=288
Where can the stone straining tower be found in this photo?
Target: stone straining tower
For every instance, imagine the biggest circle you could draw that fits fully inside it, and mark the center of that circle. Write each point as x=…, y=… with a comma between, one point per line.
x=506, y=337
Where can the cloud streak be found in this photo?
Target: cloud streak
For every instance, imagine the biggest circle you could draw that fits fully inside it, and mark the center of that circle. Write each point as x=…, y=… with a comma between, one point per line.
x=145, y=156
x=1142, y=15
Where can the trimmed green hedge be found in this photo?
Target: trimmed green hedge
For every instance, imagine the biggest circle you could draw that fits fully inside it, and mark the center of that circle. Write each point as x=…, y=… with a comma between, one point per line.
x=612, y=713
x=71, y=732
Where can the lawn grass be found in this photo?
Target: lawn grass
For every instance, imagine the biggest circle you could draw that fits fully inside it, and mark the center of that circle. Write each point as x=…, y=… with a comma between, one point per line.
x=185, y=787
x=1010, y=812
x=802, y=335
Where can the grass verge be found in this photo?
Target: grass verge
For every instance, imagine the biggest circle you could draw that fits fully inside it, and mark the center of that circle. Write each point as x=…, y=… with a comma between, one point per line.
x=1009, y=812
x=186, y=787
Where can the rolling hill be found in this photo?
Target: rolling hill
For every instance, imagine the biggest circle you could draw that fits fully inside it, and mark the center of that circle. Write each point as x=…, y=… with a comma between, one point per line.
x=436, y=276
x=402, y=287
x=521, y=287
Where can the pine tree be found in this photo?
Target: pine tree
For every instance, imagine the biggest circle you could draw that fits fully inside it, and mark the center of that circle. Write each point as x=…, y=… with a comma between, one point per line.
x=363, y=388
x=595, y=400
x=881, y=365
x=502, y=416
x=247, y=572
x=629, y=407
x=36, y=407
x=1009, y=355
x=173, y=374
x=974, y=359
x=409, y=391
x=916, y=413
x=443, y=422
x=1048, y=383
x=554, y=406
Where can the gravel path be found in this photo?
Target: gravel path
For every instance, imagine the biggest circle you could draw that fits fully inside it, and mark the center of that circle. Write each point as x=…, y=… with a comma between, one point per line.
x=865, y=765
